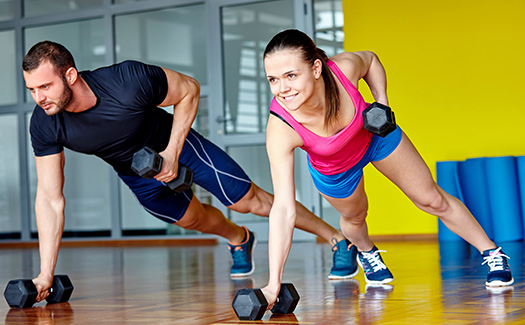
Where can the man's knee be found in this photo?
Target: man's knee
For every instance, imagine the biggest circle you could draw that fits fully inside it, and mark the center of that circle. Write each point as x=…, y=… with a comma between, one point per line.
x=192, y=218
x=256, y=201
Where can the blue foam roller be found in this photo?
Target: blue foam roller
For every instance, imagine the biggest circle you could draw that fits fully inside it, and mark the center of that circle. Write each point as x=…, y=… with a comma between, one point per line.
x=520, y=162
x=447, y=179
x=473, y=185
x=503, y=192
x=452, y=256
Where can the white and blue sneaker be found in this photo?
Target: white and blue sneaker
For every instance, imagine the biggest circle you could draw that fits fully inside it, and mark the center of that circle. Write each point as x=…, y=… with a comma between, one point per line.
x=242, y=255
x=374, y=268
x=499, y=270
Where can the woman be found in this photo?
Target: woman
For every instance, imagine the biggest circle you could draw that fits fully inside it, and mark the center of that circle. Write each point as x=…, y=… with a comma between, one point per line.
x=318, y=108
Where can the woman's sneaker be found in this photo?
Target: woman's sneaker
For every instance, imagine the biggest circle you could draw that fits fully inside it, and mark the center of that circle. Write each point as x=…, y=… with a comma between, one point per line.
x=375, y=269
x=344, y=259
x=242, y=255
x=499, y=270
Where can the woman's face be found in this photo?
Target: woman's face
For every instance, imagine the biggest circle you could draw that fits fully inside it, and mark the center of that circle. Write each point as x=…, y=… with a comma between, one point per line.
x=291, y=79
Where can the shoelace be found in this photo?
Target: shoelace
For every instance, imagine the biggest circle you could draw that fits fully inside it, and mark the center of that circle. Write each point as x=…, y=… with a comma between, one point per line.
x=374, y=259
x=239, y=257
x=495, y=260
x=339, y=255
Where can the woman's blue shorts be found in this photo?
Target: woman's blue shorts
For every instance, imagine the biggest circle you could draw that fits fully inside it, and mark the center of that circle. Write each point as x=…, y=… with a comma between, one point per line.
x=343, y=185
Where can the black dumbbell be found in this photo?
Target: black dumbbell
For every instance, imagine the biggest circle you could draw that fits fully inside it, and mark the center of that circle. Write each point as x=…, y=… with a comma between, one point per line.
x=148, y=163
x=379, y=119
x=22, y=293
x=250, y=304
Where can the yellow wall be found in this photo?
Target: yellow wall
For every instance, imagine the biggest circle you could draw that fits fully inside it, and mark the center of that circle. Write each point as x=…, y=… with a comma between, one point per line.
x=456, y=82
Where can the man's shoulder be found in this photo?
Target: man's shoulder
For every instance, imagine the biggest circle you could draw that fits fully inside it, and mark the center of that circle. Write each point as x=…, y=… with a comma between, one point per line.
x=128, y=71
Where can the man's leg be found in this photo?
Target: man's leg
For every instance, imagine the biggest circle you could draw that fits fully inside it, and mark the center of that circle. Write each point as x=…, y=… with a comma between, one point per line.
x=259, y=202
x=210, y=220
x=217, y=172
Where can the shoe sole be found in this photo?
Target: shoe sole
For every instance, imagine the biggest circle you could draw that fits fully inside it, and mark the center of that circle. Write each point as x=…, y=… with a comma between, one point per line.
x=372, y=282
x=340, y=277
x=377, y=283
x=499, y=283
x=238, y=275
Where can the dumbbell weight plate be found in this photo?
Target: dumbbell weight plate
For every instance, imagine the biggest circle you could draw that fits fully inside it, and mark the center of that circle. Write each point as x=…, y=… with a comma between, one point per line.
x=61, y=290
x=287, y=300
x=379, y=119
x=249, y=304
x=20, y=293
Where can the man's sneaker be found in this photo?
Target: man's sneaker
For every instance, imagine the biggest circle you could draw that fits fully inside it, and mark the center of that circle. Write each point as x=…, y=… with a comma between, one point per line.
x=499, y=270
x=344, y=259
x=242, y=255
x=375, y=269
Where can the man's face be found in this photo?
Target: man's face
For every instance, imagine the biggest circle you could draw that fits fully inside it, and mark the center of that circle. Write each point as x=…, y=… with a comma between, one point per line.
x=49, y=90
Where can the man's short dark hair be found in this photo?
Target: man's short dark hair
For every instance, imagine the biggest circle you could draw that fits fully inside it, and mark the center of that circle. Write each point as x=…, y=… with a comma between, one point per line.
x=55, y=53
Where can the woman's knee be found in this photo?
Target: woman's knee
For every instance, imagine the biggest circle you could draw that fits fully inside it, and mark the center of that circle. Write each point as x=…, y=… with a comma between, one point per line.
x=354, y=216
x=434, y=202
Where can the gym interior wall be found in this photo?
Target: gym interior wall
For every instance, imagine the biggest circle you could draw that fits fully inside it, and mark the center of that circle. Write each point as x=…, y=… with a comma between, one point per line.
x=453, y=71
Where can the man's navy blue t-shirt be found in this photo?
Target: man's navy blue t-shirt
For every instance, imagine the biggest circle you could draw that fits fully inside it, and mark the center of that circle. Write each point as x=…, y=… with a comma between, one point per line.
x=125, y=118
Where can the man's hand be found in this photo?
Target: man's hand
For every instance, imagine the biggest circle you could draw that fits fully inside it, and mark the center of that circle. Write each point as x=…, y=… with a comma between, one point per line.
x=42, y=284
x=170, y=167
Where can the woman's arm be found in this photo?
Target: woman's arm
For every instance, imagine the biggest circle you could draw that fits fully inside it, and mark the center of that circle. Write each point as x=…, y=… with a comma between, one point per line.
x=281, y=140
x=364, y=65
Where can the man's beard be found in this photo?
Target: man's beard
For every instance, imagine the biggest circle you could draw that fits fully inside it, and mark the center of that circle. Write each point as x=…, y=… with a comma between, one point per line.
x=63, y=101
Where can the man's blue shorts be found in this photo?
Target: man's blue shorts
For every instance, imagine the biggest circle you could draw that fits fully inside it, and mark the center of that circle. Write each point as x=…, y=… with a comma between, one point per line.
x=343, y=185
x=213, y=169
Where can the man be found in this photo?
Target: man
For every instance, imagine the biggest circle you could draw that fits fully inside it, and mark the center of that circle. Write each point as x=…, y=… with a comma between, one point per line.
x=112, y=112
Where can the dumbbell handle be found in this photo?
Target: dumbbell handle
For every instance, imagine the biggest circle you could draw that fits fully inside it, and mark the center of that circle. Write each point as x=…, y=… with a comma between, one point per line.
x=148, y=163
x=182, y=170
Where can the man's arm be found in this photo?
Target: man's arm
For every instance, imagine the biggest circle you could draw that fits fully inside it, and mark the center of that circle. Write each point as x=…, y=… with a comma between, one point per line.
x=183, y=93
x=49, y=210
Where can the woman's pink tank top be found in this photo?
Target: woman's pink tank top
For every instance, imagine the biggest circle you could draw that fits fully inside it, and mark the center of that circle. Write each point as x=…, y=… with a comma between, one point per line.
x=341, y=151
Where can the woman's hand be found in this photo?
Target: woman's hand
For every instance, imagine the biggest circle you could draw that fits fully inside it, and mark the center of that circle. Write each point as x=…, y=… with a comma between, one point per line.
x=271, y=296
x=42, y=284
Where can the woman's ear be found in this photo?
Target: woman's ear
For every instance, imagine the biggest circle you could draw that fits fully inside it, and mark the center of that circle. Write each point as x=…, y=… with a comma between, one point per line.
x=318, y=68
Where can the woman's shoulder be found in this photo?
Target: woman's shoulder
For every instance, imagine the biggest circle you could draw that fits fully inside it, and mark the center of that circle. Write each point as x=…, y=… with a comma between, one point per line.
x=345, y=61
x=350, y=65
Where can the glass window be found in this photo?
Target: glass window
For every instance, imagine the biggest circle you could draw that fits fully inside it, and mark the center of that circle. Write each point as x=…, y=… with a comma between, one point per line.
x=84, y=39
x=8, y=68
x=10, y=215
x=171, y=38
x=45, y=7
x=127, y=1
x=246, y=30
x=328, y=17
x=7, y=10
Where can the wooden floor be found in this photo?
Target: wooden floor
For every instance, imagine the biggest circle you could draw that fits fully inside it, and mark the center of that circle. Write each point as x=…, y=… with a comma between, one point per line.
x=191, y=285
